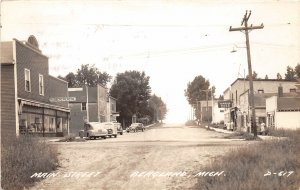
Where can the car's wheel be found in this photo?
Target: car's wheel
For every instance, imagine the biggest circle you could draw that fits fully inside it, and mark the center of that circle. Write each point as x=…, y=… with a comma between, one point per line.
x=121, y=133
x=104, y=137
x=115, y=136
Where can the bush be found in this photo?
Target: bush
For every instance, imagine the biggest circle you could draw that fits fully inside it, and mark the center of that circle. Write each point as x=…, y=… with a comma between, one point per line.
x=245, y=167
x=23, y=157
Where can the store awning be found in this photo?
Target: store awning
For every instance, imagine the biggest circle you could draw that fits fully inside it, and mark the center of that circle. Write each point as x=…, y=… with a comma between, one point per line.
x=42, y=105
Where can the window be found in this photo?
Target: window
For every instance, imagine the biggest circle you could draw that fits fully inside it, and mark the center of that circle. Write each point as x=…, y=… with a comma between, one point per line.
x=260, y=91
x=41, y=84
x=293, y=90
x=83, y=106
x=27, y=80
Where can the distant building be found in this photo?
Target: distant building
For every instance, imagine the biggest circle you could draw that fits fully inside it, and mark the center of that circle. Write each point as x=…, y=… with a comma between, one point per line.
x=239, y=114
x=112, y=113
x=27, y=90
x=209, y=114
x=91, y=104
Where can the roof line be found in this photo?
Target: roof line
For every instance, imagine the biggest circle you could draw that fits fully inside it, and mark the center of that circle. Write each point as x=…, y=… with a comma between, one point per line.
x=31, y=48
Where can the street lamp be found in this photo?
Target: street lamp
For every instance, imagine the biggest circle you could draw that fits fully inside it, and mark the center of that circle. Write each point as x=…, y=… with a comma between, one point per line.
x=234, y=48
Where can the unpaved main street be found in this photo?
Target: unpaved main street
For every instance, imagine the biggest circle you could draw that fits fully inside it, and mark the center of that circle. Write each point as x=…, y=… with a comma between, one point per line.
x=168, y=148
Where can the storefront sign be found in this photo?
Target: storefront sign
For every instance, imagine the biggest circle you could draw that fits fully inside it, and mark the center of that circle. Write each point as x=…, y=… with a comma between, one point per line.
x=62, y=99
x=224, y=104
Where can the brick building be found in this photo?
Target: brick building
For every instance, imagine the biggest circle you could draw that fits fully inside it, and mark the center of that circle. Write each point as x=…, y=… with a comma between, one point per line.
x=26, y=90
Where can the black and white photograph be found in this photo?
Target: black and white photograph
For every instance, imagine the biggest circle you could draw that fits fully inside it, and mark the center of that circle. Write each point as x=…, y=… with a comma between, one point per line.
x=150, y=94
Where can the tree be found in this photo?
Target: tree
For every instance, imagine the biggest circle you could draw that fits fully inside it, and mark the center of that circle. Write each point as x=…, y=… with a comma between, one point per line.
x=221, y=97
x=91, y=76
x=158, y=107
x=71, y=79
x=132, y=91
x=196, y=90
x=87, y=75
x=290, y=74
x=279, y=77
x=297, y=70
x=266, y=77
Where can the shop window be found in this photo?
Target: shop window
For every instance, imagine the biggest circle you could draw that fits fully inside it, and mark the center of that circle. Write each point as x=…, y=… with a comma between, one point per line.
x=65, y=124
x=27, y=80
x=83, y=106
x=59, y=125
x=52, y=124
x=293, y=90
x=46, y=124
x=38, y=123
x=41, y=84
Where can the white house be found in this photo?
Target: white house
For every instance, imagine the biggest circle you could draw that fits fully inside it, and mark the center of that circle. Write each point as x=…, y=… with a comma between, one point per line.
x=283, y=111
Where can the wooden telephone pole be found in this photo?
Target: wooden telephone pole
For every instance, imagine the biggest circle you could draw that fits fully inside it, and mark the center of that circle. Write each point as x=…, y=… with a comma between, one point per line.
x=246, y=28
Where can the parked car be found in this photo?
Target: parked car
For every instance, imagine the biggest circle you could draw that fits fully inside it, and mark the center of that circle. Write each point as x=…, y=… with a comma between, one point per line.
x=111, y=128
x=93, y=130
x=134, y=127
x=119, y=128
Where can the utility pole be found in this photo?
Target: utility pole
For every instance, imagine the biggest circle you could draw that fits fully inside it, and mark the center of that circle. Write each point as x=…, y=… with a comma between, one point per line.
x=246, y=28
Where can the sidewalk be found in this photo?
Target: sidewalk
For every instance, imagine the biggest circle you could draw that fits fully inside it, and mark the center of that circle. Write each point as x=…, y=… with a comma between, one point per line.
x=221, y=130
x=262, y=137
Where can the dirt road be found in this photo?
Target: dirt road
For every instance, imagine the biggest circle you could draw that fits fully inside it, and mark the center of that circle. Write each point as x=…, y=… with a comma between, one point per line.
x=176, y=153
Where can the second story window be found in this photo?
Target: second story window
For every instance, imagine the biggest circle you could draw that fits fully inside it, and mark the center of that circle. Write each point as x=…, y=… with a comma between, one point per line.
x=260, y=91
x=83, y=106
x=41, y=84
x=27, y=80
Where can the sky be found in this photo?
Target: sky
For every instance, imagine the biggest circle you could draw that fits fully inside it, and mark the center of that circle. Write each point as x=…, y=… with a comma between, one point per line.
x=173, y=41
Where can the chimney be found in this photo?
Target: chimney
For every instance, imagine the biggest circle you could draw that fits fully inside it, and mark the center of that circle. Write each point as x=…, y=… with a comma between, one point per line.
x=280, y=91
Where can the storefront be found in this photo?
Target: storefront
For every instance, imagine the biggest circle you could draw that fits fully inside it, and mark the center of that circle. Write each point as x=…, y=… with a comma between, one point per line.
x=42, y=119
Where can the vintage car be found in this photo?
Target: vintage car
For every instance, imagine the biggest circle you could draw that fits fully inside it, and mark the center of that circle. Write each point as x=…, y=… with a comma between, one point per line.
x=111, y=127
x=119, y=128
x=134, y=127
x=93, y=130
